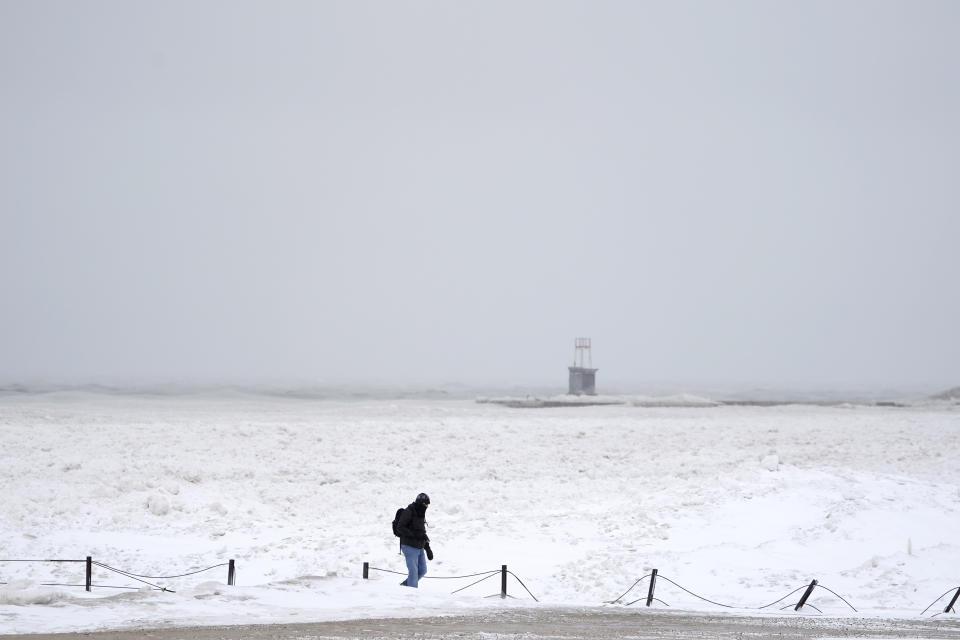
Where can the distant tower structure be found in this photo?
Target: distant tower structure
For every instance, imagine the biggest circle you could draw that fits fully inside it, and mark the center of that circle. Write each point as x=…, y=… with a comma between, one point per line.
x=583, y=377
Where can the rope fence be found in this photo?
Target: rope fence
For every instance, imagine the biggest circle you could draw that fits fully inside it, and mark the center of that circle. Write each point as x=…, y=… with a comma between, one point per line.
x=90, y=563
x=655, y=574
x=802, y=602
x=483, y=576
x=503, y=571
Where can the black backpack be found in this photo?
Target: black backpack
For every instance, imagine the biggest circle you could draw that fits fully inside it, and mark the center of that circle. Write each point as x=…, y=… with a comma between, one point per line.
x=396, y=520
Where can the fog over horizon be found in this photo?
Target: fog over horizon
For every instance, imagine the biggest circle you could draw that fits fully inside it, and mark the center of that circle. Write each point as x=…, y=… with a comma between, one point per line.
x=721, y=195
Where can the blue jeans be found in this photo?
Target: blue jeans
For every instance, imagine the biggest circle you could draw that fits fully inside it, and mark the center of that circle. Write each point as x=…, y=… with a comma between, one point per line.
x=416, y=565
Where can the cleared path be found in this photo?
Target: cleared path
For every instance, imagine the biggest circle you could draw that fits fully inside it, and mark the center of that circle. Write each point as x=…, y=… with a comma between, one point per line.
x=565, y=624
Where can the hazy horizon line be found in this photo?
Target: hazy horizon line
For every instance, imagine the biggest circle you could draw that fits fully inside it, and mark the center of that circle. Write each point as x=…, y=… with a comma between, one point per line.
x=732, y=390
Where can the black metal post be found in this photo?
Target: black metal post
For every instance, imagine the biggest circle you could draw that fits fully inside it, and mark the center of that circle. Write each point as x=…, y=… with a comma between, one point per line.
x=953, y=601
x=503, y=581
x=89, y=573
x=231, y=572
x=806, y=594
x=366, y=570
x=653, y=585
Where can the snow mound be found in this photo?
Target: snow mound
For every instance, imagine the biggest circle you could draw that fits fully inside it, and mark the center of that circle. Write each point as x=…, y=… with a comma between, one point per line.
x=770, y=462
x=158, y=505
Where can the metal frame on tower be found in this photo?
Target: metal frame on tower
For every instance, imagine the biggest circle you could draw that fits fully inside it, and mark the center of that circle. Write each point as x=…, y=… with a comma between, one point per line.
x=581, y=348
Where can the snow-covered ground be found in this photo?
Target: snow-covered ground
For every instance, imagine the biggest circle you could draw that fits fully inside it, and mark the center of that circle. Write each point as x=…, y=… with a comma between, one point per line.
x=740, y=505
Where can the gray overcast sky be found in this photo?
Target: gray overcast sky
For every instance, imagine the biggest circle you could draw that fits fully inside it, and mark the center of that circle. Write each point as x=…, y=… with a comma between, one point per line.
x=715, y=192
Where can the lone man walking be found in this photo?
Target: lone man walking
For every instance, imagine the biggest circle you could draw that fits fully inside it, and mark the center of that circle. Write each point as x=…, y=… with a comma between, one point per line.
x=414, y=543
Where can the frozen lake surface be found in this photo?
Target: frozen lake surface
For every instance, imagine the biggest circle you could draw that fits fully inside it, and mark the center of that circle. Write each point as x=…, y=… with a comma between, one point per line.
x=739, y=505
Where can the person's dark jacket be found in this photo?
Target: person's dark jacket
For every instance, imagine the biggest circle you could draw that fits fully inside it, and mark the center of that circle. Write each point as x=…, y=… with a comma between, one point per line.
x=412, y=526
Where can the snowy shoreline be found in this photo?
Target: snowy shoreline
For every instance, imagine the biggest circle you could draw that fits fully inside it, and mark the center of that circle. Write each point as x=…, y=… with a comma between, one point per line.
x=739, y=504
